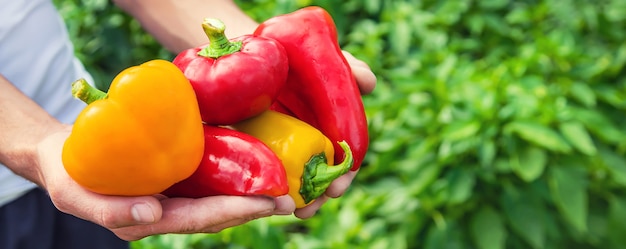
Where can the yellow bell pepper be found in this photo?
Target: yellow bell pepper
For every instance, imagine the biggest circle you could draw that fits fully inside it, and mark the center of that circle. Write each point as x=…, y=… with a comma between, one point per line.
x=305, y=152
x=141, y=137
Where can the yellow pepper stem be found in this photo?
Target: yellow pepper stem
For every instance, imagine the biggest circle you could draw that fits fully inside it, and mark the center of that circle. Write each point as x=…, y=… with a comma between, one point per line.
x=85, y=92
x=318, y=175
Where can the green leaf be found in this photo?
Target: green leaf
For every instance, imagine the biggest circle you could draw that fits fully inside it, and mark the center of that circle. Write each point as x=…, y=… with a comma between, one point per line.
x=424, y=177
x=400, y=37
x=452, y=150
x=583, y=93
x=568, y=188
x=577, y=135
x=616, y=164
x=617, y=222
x=373, y=6
x=445, y=236
x=612, y=96
x=539, y=134
x=460, y=185
x=476, y=23
x=487, y=229
x=445, y=69
x=616, y=11
x=599, y=125
x=493, y=4
x=372, y=227
x=386, y=240
x=487, y=153
x=460, y=130
x=529, y=163
x=525, y=213
x=518, y=15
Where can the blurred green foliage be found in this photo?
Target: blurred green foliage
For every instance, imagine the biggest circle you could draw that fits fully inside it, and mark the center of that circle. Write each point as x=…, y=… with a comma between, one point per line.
x=106, y=39
x=494, y=124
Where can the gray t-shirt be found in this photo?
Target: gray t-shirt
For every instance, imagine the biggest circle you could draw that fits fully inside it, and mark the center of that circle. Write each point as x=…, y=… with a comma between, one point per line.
x=37, y=56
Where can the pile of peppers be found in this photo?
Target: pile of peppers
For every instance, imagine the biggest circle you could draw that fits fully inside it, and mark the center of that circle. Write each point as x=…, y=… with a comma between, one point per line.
x=270, y=113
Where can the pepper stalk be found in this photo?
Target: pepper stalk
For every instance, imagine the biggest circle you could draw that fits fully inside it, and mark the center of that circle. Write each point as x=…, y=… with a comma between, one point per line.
x=318, y=175
x=85, y=92
x=219, y=45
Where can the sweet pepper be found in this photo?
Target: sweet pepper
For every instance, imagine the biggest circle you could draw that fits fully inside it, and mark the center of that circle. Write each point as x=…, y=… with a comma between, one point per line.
x=306, y=153
x=233, y=79
x=234, y=163
x=141, y=137
x=321, y=89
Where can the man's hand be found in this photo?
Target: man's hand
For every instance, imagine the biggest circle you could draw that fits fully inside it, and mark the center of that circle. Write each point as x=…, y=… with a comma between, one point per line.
x=133, y=218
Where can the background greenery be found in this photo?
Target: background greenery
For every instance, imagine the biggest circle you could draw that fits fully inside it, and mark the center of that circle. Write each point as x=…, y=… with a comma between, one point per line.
x=494, y=124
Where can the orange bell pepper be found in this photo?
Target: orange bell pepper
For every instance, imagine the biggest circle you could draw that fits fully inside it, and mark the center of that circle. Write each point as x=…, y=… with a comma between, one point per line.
x=141, y=137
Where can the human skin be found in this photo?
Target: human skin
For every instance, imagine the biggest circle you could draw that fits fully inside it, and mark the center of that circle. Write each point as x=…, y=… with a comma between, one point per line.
x=31, y=142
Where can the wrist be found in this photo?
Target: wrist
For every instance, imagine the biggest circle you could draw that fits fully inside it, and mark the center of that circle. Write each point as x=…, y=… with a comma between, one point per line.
x=47, y=153
x=23, y=126
x=24, y=157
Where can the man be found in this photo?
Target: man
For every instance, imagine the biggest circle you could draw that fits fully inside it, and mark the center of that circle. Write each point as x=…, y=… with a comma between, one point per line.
x=36, y=110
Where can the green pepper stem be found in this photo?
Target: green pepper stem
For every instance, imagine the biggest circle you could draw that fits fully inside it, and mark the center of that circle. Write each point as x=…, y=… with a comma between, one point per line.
x=318, y=175
x=219, y=45
x=85, y=92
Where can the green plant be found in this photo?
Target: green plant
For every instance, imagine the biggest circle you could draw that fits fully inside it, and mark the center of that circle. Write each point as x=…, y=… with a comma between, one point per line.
x=106, y=39
x=494, y=124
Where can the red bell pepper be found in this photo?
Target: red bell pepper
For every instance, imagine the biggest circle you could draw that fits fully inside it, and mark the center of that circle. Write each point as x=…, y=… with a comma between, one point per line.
x=234, y=163
x=321, y=89
x=233, y=79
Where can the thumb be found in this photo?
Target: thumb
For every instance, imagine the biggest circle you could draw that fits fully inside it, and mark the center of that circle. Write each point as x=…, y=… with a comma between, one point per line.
x=132, y=211
x=109, y=211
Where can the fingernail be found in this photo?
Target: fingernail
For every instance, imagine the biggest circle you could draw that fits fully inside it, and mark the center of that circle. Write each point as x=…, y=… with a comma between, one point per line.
x=142, y=213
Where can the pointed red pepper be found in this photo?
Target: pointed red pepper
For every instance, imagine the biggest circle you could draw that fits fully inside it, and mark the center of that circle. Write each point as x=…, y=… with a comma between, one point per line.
x=233, y=79
x=320, y=88
x=234, y=163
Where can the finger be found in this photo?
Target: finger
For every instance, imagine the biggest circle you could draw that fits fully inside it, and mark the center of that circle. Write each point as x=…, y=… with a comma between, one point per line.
x=353, y=61
x=341, y=184
x=108, y=211
x=365, y=78
x=285, y=205
x=203, y=215
x=311, y=209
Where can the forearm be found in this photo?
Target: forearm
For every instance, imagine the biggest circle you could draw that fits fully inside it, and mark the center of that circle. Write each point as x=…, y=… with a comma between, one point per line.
x=23, y=124
x=177, y=24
